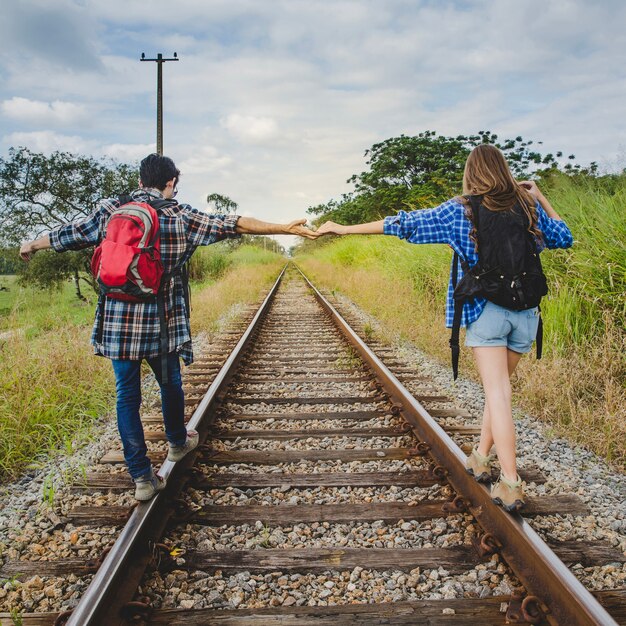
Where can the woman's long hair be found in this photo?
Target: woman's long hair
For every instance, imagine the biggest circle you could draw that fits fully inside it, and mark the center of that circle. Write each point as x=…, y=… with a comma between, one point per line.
x=487, y=174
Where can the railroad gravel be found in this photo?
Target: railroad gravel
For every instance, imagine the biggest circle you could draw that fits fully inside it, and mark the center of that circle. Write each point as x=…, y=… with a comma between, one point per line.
x=443, y=532
x=359, y=585
x=322, y=495
x=324, y=443
x=271, y=424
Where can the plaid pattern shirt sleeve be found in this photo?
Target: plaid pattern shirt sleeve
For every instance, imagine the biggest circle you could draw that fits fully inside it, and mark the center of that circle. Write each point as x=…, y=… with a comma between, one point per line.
x=423, y=226
x=82, y=233
x=556, y=233
x=204, y=229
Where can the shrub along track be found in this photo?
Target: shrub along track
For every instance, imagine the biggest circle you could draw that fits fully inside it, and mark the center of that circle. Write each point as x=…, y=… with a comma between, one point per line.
x=312, y=444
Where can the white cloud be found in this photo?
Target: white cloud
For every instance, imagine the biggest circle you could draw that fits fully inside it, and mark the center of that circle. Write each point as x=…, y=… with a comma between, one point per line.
x=48, y=141
x=44, y=113
x=128, y=152
x=250, y=128
x=205, y=159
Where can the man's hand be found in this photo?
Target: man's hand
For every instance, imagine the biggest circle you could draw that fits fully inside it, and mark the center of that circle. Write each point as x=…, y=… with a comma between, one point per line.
x=30, y=247
x=331, y=228
x=27, y=250
x=297, y=227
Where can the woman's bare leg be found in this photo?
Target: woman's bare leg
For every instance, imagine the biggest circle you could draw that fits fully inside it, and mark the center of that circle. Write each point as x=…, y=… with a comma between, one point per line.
x=495, y=365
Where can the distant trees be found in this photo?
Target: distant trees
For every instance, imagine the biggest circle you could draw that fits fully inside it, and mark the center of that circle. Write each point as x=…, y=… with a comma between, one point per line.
x=221, y=204
x=425, y=169
x=39, y=193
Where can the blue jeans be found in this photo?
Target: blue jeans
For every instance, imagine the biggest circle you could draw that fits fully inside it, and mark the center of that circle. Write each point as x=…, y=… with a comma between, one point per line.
x=128, y=388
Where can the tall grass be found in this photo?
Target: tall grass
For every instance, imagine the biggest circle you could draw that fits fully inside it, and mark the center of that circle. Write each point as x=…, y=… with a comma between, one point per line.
x=52, y=387
x=579, y=385
x=210, y=262
x=51, y=390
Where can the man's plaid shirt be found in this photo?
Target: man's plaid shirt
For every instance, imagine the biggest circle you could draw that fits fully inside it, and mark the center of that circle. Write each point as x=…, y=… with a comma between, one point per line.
x=131, y=330
x=447, y=223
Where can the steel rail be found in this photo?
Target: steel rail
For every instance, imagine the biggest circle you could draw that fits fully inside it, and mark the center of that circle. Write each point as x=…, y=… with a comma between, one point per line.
x=115, y=583
x=564, y=598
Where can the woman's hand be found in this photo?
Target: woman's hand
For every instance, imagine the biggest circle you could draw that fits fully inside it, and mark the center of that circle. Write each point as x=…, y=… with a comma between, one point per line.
x=331, y=228
x=531, y=187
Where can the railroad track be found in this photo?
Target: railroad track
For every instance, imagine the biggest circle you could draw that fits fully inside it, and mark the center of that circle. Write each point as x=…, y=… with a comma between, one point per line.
x=321, y=480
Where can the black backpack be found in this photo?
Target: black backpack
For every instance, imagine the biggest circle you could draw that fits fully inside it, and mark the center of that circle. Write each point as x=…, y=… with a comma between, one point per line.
x=508, y=271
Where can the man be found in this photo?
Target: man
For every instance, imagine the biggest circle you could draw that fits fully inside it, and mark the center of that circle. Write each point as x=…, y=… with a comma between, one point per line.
x=128, y=332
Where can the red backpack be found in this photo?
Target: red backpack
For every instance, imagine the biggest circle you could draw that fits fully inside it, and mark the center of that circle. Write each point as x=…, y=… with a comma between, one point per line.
x=127, y=263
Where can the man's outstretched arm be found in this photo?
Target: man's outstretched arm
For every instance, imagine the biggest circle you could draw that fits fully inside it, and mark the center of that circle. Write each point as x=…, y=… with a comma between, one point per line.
x=252, y=226
x=30, y=247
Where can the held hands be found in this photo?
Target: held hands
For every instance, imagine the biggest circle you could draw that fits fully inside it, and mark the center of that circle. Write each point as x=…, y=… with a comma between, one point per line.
x=297, y=227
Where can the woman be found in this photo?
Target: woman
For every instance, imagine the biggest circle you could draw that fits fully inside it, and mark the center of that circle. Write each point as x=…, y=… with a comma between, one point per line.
x=498, y=336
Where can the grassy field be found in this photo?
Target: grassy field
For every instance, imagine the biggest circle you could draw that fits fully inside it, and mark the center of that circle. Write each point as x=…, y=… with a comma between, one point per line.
x=579, y=385
x=52, y=387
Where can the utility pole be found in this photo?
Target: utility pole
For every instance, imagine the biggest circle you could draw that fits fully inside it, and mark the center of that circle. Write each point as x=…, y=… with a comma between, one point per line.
x=159, y=61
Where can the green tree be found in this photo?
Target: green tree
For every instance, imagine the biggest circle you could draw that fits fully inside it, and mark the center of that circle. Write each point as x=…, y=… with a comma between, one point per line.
x=39, y=193
x=424, y=170
x=9, y=261
x=221, y=204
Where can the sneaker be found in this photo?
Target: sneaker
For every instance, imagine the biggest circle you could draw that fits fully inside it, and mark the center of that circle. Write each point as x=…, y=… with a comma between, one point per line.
x=479, y=466
x=176, y=453
x=147, y=487
x=509, y=495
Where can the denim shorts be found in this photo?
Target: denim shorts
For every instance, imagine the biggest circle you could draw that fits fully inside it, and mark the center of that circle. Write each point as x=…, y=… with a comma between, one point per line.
x=497, y=326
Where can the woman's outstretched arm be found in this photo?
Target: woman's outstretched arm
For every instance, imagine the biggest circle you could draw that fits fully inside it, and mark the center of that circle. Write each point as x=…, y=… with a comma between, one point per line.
x=371, y=228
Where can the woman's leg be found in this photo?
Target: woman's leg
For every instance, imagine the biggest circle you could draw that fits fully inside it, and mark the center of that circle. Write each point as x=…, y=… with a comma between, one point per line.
x=495, y=364
x=486, y=437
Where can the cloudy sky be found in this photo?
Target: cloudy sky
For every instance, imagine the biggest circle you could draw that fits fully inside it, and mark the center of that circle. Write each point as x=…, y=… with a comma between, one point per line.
x=273, y=102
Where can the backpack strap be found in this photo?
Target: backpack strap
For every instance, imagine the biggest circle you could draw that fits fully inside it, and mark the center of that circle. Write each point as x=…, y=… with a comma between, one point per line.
x=100, y=329
x=161, y=203
x=475, y=202
x=156, y=204
x=163, y=336
x=459, y=303
x=456, y=321
x=539, y=338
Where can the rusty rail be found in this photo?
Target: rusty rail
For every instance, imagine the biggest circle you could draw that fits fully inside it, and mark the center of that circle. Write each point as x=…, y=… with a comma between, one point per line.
x=108, y=599
x=556, y=594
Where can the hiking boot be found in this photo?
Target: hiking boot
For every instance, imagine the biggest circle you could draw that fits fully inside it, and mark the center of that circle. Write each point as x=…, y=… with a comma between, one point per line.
x=509, y=495
x=479, y=466
x=176, y=453
x=146, y=487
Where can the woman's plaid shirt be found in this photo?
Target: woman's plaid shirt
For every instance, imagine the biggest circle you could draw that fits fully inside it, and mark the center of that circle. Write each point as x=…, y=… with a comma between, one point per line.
x=130, y=329
x=447, y=223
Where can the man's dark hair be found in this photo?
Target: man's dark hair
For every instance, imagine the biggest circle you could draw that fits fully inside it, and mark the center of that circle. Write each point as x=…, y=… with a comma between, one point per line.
x=155, y=170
